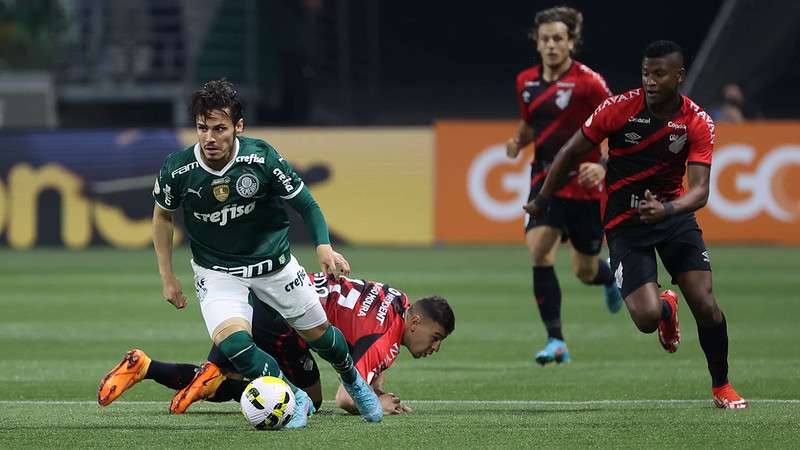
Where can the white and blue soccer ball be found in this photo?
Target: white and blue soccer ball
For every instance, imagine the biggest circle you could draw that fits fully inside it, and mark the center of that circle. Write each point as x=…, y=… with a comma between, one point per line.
x=268, y=403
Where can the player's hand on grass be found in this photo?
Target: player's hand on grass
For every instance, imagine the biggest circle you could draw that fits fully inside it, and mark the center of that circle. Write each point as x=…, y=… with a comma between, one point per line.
x=590, y=175
x=650, y=209
x=172, y=292
x=512, y=148
x=331, y=262
x=392, y=405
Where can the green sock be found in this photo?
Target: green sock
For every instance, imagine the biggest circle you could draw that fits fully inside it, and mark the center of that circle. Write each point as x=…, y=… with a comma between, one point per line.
x=249, y=360
x=332, y=347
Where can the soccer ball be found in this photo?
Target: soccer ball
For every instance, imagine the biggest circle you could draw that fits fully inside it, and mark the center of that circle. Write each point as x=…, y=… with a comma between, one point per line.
x=268, y=403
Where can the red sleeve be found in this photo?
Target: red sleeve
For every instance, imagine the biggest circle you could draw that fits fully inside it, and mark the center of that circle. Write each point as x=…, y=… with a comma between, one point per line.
x=597, y=89
x=701, y=139
x=523, y=107
x=379, y=357
x=597, y=127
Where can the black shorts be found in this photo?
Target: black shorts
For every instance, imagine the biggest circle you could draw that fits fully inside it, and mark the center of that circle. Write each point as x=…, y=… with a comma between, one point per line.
x=273, y=334
x=578, y=220
x=678, y=240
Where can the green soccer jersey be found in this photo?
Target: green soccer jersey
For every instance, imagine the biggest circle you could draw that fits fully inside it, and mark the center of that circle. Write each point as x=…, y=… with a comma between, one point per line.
x=235, y=216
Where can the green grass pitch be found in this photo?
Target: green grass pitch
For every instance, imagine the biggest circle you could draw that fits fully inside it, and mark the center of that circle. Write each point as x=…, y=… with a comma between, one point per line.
x=68, y=317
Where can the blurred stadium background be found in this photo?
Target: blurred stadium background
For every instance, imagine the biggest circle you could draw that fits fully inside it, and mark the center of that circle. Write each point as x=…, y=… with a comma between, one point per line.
x=395, y=114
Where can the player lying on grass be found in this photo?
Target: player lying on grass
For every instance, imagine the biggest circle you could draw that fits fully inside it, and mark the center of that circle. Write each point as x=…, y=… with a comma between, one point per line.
x=374, y=318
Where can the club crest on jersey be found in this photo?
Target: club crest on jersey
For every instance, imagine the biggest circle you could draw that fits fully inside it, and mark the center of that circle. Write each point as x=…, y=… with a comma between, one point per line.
x=677, y=142
x=247, y=185
x=562, y=97
x=220, y=188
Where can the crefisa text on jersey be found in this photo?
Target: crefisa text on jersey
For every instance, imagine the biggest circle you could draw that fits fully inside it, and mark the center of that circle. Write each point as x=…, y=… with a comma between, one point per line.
x=228, y=212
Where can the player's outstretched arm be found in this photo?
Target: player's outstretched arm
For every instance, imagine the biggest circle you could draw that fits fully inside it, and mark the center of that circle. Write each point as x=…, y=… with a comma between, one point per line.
x=566, y=158
x=391, y=403
x=163, y=228
x=329, y=260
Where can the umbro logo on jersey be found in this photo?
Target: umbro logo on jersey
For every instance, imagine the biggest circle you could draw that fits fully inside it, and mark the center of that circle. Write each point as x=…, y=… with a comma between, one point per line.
x=632, y=138
x=706, y=258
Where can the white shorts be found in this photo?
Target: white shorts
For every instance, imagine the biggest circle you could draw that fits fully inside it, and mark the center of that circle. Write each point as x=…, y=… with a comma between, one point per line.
x=289, y=291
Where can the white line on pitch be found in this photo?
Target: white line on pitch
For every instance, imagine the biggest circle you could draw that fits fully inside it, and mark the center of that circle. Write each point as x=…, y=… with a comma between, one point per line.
x=440, y=402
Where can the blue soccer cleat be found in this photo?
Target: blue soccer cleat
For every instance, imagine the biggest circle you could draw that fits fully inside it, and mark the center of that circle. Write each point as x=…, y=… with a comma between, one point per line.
x=613, y=298
x=555, y=350
x=366, y=401
x=304, y=407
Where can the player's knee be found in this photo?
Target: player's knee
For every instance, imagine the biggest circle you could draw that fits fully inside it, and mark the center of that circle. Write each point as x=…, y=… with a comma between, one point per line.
x=707, y=312
x=585, y=273
x=541, y=259
x=645, y=317
x=229, y=327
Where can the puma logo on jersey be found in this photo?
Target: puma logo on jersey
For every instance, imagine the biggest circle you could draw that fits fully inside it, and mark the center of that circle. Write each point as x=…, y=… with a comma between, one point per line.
x=197, y=192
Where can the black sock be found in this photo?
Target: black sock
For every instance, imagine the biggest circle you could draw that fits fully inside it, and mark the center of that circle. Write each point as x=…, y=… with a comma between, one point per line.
x=714, y=342
x=548, y=298
x=229, y=390
x=604, y=275
x=172, y=375
x=666, y=310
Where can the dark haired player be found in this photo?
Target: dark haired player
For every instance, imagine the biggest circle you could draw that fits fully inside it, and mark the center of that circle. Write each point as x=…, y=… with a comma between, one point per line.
x=232, y=189
x=376, y=320
x=554, y=98
x=654, y=134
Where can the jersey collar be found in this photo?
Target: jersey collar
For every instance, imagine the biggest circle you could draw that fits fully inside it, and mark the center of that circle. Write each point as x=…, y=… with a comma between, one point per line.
x=202, y=163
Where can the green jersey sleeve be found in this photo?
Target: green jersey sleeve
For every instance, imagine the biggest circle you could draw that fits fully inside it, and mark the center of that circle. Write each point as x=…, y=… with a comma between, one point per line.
x=165, y=192
x=285, y=182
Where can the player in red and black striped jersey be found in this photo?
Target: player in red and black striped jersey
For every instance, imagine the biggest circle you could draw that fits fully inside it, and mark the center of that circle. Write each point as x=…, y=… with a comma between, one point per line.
x=375, y=319
x=654, y=134
x=554, y=99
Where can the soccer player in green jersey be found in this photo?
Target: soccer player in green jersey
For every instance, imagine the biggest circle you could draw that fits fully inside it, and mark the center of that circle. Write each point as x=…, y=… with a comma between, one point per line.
x=231, y=190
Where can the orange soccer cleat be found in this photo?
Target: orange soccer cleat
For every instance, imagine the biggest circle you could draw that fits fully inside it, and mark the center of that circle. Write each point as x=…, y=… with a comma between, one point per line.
x=669, y=333
x=203, y=385
x=727, y=398
x=128, y=372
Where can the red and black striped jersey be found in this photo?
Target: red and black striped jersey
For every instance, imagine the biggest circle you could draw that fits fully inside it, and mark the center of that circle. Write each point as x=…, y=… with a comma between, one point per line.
x=555, y=110
x=369, y=314
x=646, y=152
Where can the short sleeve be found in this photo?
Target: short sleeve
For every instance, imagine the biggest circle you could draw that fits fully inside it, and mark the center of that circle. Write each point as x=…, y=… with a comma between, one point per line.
x=701, y=140
x=285, y=182
x=523, y=99
x=373, y=361
x=164, y=190
x=597, y=90
x=597, y=126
